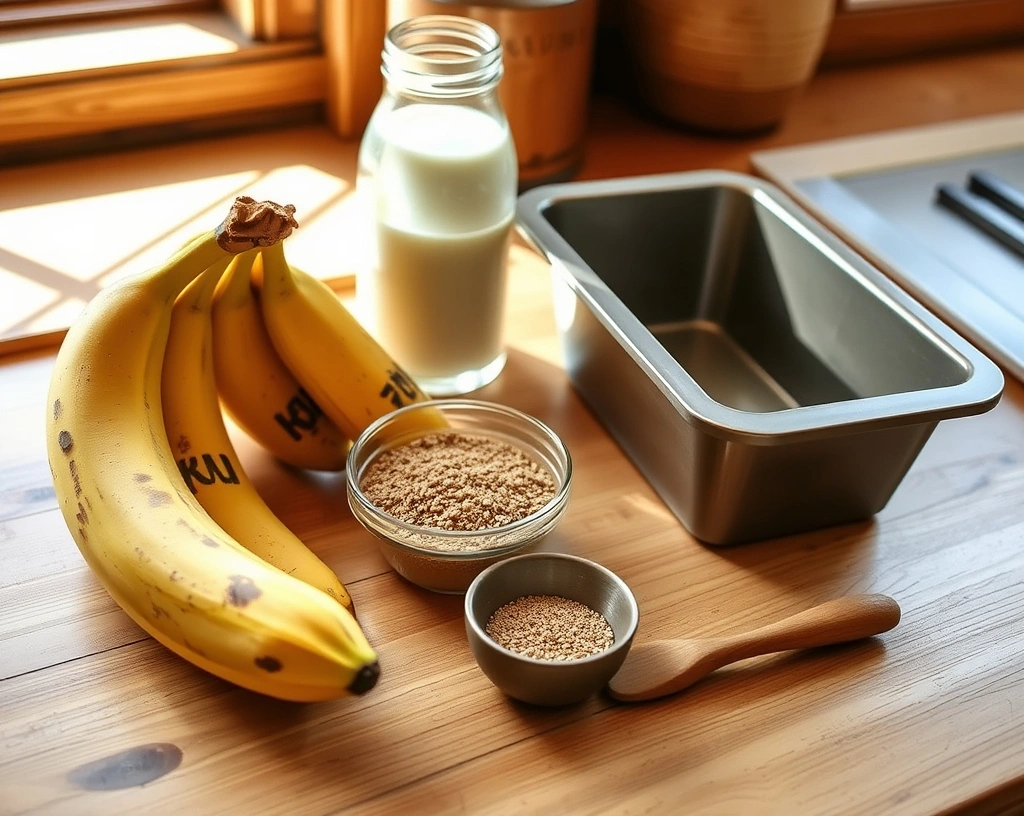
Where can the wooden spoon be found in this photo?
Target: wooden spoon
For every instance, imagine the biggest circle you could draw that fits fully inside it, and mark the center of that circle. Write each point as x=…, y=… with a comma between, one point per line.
x=662, y=667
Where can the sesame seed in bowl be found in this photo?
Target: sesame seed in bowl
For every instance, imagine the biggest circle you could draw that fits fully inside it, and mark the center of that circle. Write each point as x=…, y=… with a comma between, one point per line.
x=550, y=628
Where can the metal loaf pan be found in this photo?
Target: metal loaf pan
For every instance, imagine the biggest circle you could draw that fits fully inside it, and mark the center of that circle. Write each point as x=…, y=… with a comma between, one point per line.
x=765, y=378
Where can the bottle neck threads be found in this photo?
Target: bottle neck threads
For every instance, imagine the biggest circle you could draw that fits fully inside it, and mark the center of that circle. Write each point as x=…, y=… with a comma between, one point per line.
x=442, y=57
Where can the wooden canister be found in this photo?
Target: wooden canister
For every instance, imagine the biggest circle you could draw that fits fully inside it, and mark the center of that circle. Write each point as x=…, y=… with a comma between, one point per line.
x=548, y=51
x=724, y=65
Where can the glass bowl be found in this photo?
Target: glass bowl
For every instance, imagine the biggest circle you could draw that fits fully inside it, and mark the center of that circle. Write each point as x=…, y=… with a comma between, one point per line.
x=447, y=561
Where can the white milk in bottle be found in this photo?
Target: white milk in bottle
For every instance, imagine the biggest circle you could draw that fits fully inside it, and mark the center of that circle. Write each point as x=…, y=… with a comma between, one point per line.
x=440, y=181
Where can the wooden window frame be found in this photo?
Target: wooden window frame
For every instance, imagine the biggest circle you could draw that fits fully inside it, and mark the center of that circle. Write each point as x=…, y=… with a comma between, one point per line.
x=25, y=13
x=919, y=28
x=280, y=74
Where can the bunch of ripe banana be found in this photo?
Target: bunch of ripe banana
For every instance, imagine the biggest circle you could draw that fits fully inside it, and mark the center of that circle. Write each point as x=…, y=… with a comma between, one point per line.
x=151, y=487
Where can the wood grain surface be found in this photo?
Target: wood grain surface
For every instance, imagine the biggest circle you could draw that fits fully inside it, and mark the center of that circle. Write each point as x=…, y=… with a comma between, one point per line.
x=95, y=717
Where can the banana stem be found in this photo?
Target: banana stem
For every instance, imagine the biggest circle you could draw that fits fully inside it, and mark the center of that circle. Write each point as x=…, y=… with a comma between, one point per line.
x=201, y=290
x=234, y=288
x=252, y=223
x=248, y=225
x=276, y=274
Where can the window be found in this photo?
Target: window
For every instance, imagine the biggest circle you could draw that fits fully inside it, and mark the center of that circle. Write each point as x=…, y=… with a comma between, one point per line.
x=78, y=80
x=34, y=12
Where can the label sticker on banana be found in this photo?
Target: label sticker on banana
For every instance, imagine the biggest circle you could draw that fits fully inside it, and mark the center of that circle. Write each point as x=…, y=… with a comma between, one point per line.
x=209, y=472
x=302, y=417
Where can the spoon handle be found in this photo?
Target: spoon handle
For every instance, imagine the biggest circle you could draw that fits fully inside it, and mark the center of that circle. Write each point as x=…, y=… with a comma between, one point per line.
x=835, y=621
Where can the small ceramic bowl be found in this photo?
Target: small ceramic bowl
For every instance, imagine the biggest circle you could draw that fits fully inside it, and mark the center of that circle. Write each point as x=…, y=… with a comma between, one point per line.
x=448, y=561
x=550, y=682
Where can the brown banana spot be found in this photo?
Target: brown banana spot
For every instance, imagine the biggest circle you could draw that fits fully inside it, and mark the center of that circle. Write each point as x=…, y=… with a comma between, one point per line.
x=65, y=441
x=141, y=478
x=242, y=590
x=209, y=542
x=57, y=408
x=252, y=223
x=158, y=611
x=183, y=445
x=159, y=498
x=75, y=480
x=195, y=649
x=82, y=516
x=268, y=663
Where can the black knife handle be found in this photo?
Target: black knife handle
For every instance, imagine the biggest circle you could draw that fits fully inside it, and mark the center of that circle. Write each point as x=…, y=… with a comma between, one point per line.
x=984, y=215
x=1000, y=192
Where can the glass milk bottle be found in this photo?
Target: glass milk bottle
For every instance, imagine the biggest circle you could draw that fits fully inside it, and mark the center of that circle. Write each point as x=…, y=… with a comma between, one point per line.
x=438, y=182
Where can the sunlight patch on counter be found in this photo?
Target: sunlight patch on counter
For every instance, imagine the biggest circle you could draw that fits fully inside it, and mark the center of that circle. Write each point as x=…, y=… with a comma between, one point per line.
x=132, y=44
x=57, y=254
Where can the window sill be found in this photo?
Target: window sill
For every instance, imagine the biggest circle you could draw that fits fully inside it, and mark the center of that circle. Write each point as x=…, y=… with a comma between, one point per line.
x=156, y=71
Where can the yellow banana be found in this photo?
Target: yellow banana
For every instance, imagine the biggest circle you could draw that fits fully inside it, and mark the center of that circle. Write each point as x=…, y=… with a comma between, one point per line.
x=256, y=388
x=205, y=456
x=338, y=362
x=152, y=545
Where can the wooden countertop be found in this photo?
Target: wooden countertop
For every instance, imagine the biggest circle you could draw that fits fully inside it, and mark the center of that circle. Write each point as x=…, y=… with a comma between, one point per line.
x=924, y=719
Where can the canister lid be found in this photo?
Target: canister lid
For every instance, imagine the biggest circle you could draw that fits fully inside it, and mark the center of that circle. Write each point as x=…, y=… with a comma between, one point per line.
x=510, y=4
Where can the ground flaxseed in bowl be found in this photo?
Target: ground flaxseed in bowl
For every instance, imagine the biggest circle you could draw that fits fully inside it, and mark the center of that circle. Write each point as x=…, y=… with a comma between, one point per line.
x=445, y=504
x=458, y=481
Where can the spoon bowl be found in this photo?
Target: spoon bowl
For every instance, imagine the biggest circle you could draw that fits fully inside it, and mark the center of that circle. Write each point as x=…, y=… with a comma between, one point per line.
x=662, y=667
